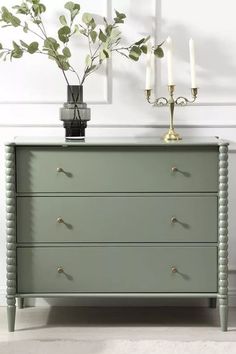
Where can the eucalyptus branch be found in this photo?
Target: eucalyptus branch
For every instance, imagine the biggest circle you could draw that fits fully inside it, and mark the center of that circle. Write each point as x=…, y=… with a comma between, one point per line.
x=75, y=72
x=30, y=30
x=102, y=41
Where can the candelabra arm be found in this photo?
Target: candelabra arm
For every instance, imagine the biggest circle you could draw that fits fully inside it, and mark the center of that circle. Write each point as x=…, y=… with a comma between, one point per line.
x=161, y=101
x=183, y=101
x=158, y=102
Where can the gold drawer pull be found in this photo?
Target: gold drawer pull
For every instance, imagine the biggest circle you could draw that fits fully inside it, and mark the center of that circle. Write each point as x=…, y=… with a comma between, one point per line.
x=173, y=220
x=60, y=270
x=59, y=169
x=174, y=169
x=174, y=269
x=60, y=221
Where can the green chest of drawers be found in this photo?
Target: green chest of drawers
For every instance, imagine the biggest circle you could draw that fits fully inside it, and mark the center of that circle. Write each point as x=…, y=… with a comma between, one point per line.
x=119, y=218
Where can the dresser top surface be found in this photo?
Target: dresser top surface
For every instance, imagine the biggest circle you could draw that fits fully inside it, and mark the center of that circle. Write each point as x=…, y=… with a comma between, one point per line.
x=115, y=141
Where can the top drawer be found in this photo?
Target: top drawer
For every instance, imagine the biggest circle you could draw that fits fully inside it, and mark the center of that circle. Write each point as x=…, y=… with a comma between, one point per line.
x=116, y=169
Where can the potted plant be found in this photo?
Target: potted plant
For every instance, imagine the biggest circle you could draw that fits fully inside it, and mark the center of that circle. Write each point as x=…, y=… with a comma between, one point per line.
x=102, y=41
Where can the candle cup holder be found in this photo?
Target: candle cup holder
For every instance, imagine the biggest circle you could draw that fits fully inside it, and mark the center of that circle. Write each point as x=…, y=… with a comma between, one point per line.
x=171, y=135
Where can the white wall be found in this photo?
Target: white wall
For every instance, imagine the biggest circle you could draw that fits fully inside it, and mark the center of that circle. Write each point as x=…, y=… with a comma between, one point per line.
x=32, y=89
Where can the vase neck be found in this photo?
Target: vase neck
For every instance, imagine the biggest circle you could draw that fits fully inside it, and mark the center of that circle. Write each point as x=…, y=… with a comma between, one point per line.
x=75, y=93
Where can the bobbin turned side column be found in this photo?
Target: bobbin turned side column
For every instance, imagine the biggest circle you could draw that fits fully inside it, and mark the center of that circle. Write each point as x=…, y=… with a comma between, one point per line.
x=11, y=235
x=223, y=236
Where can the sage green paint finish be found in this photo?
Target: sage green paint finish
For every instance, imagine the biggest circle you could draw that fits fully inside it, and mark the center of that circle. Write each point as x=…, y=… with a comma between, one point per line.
x=117, y=269
x=116, y=169
x=117, y=219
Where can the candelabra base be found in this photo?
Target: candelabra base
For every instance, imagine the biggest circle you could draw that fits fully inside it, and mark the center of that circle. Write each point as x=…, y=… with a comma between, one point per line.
x=172, y=136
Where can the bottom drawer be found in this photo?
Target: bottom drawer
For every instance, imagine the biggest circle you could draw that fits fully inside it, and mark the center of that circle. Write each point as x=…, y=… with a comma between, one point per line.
x=116, y=269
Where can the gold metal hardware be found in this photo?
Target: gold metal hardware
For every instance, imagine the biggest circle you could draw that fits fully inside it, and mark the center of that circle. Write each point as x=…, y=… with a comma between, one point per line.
x=59, y=169
x=60, y=220
x=174, y=169
x=174, y=269
x=60, y=270
x=173, y=220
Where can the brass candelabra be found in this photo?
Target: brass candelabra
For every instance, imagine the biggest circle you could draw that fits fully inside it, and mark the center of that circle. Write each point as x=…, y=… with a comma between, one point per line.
x=171, y=135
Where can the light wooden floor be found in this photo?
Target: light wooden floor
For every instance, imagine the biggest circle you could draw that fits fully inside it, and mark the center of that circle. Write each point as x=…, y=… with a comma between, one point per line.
x=163, y=323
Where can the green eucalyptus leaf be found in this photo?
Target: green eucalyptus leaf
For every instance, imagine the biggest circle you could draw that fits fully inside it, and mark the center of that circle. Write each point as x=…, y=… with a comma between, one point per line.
x=1, y=46
x=92, y=24
x=17, y=55
x=115, y=33
x=64, y=34
x=88, y=60
x=1, y=54
x=15, y=45
x=93, y=36
x=108, y=30
x=26, y=27
x=74, y=13
x=69, y=6
x=35, y=9
x=135, y=53
x=23, y=9
x=17, y=52
x=6, y=15
x=134, y=56
x=87, y=18
x=24, y=44
x=51, y=43
x=107, y=53
x=76, y=30
x=144, y=49
x=33, y=47
x=159, y=52
x=119, y=15
x=102, y=56
x=118, y=20
x=141, y=41
x=63, y=21
x=91, y=68
x=37, y=22
x=42, y=8
x=51, y=54
x=62, y=62
x=66, y=51
x=136, y=50
x=15, y=21
x=102, y=36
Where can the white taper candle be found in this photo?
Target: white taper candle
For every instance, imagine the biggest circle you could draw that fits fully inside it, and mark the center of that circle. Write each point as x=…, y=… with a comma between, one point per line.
x=149, y=67
x=192, y=63
x=170, y=61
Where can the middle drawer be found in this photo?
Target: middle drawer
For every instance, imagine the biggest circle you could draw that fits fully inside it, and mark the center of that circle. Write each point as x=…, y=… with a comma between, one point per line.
x=117, y=219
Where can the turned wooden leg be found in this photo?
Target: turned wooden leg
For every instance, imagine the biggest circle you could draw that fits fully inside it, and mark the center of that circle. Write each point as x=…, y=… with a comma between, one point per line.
x=212, y=302
x=11, y=314
x=223, y=307
x=20, y=302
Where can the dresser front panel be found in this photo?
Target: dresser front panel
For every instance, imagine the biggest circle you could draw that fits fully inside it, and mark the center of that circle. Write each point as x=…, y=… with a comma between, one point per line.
x=116, y=169
x=116, y=269
x=117, y=219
